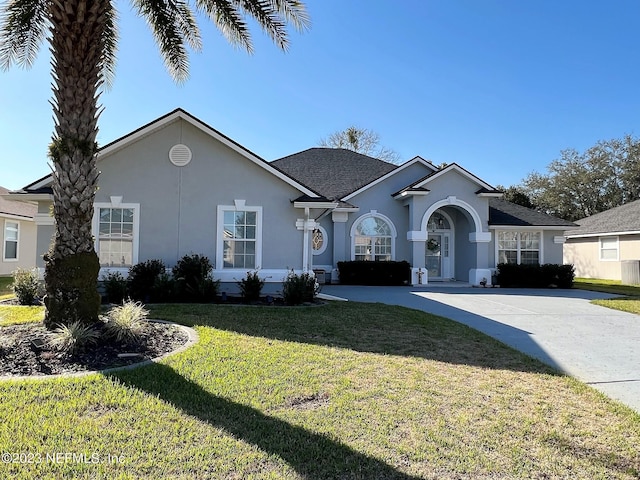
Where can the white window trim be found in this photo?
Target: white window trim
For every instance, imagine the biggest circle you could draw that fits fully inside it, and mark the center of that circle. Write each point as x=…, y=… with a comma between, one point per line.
x=519, y=251
x=4, y=241
x=136, y=229
x=373, y=213
x=325, y=238
x=238, y=207
x=609, y=237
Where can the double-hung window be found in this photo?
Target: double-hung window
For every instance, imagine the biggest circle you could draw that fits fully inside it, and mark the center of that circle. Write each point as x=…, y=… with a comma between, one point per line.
x=116, y=230
x=519, y=247
x=609, y=249
x=11, y=230
x=239, y=233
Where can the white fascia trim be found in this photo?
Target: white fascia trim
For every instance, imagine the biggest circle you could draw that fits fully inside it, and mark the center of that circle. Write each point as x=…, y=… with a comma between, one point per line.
x=315, y=204
x=528, y=227
x=16, y=217
x=559, y=239
x=406, y=164
x=494, y=195
x=136, y=226
x=403, y=195
x=30, y=197
x=347, y=209
x=458, y=169
x=604, y=234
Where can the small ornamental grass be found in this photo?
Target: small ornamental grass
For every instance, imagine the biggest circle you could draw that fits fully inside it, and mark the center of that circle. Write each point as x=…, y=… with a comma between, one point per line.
x=125, y=323
x=74, y=337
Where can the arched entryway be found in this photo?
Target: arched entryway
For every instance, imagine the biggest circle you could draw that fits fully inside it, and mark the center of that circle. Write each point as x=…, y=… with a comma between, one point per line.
x=440, y=247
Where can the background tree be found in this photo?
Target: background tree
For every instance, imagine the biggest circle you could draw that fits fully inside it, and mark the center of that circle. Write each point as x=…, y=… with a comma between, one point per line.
x=515, y=194
x=82, y=38
x=578, y=185
x=360, y=140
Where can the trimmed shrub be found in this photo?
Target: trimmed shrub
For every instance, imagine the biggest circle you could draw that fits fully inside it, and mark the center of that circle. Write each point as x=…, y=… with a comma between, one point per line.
x=26, y=286
x=194, y=283
x=115, y=287
x=366, y=272
x=142, y=278
x=535, y=276
x=251, y=287
x=298, y=289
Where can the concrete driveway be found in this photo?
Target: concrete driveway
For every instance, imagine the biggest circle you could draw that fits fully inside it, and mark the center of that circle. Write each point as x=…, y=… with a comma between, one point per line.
x=597, y=345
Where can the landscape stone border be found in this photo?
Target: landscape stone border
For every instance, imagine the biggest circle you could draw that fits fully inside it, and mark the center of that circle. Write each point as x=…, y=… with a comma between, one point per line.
x=192, y=339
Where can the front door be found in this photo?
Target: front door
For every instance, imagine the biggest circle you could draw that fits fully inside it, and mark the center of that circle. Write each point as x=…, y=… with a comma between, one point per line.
x=438, y=256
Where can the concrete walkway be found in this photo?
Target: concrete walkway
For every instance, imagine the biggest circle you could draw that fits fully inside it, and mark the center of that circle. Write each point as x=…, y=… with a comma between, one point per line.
x=597, y=345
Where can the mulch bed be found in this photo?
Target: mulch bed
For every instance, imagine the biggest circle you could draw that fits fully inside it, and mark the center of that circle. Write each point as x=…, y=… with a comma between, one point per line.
x=19, y=357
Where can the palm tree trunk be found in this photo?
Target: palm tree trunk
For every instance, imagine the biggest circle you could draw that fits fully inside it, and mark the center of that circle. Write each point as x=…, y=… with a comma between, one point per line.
x=72, y=265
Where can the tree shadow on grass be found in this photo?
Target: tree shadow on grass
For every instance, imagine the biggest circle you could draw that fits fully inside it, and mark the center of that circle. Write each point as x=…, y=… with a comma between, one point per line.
x=373, y=328
x=312, y=455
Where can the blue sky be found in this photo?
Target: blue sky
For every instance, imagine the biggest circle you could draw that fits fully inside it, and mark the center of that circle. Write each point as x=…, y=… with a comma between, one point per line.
x=498, y=86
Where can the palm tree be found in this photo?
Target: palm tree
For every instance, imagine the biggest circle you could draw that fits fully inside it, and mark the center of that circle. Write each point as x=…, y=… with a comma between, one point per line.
x=82, y=36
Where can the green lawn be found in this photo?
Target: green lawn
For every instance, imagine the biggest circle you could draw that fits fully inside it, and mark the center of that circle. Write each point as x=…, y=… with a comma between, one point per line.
x=346, y=390
x=5, y=287
x=629, y=302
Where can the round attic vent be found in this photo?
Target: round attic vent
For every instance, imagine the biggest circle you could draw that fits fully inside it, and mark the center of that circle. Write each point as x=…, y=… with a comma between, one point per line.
x=180, y=155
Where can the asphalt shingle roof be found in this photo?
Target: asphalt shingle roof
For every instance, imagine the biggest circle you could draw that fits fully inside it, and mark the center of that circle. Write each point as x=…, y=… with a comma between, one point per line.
x=625, y=218
x=16, y=208
x=333, y=172
x=502, y=212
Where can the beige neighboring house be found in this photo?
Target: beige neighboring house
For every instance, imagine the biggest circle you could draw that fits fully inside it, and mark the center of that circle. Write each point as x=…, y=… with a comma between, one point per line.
x=18, y=234
x=604, y=243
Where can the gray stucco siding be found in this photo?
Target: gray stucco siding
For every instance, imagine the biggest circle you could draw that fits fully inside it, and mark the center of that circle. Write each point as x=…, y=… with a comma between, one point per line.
x=178, y=205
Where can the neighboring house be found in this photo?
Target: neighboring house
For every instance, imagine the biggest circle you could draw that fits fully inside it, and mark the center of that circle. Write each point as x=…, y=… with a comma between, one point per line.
x=177, y=186
x=602, y=242
x=18, y=234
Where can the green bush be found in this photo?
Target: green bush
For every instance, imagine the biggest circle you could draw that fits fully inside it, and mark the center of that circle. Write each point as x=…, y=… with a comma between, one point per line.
x=26, y=286
x=297, y=289
x=192, y=275
x=143, y=277
x=164, y=289
x=251, y=287
x=366, y=272
x=125, y=322
x=535, y=276
x=115, y=287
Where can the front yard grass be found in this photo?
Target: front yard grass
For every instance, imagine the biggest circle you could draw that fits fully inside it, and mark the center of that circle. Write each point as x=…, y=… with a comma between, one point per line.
x=6, y=290
x=346, y=390
x=629, y=302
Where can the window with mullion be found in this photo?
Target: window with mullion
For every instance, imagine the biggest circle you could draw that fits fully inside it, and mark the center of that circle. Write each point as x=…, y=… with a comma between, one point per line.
x=115, y=237
x=240, y=235
x=11, y=240
x=519, y=247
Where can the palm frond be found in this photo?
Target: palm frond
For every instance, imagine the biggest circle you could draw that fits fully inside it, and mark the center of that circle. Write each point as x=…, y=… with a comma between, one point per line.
x=227, y=18
x=173, y=24
x=110, y=45
x=271, y=15
x=23, y=27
